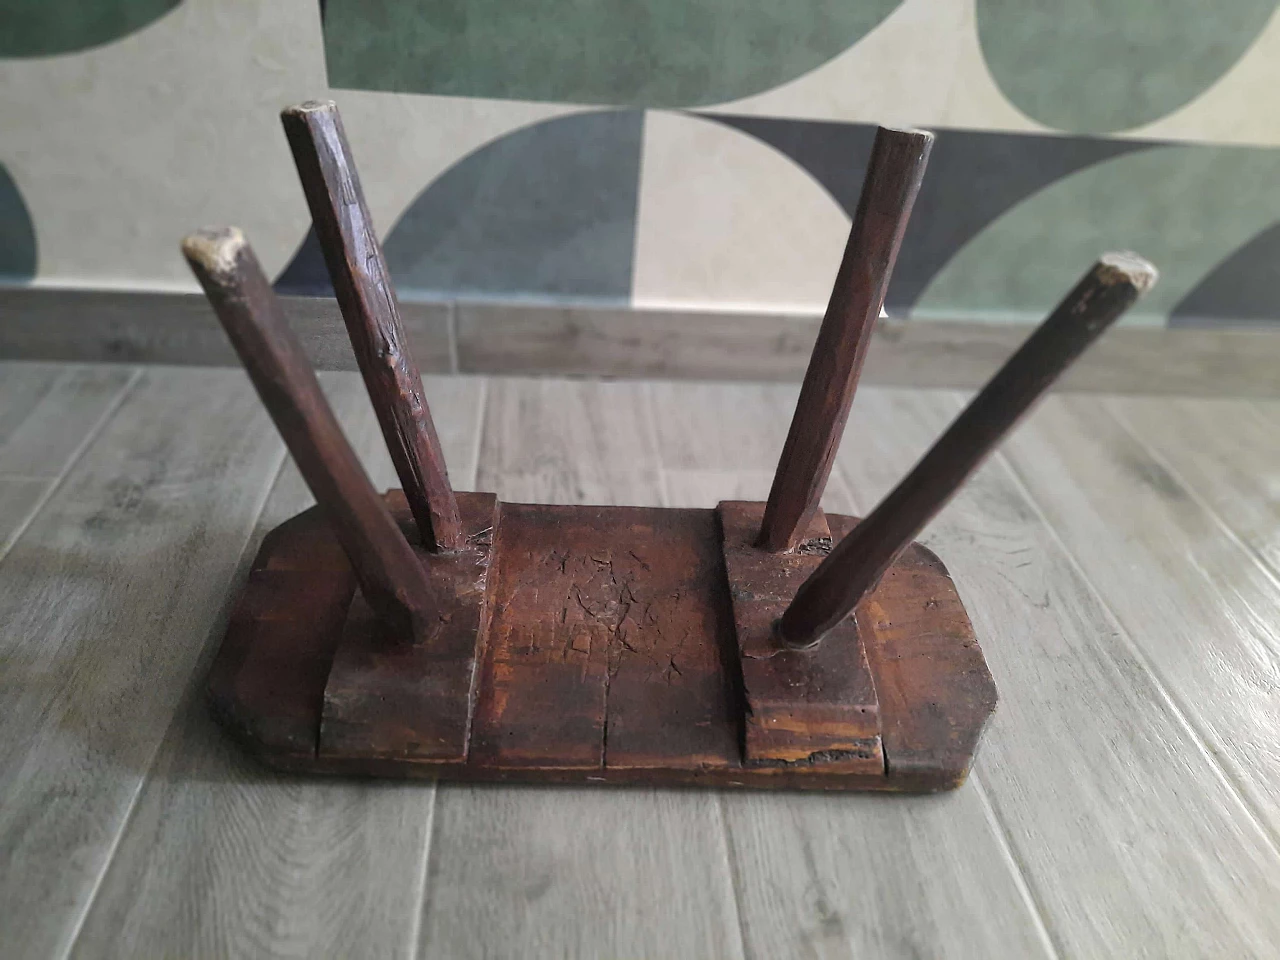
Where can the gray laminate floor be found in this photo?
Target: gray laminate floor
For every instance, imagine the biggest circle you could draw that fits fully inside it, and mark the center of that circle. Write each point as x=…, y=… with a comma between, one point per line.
x=1120, y=560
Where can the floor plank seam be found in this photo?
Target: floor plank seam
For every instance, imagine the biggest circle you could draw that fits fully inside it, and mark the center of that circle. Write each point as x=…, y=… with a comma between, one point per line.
x=998, y=826
x=733, y=868
x=77, y=926
x=651, y=418
x=1270, y=572
x=212, y=635
x=420, y=891
x=1179, y=715
x=730, y=862
x=429, y=841
x=1001, y=830
x=482, y=410
x=108, y=413
x=451, y=334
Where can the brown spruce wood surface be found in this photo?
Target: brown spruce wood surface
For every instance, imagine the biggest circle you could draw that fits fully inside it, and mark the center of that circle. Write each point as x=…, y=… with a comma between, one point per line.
x=607, y=643
x=894, y=172
x=371, y=311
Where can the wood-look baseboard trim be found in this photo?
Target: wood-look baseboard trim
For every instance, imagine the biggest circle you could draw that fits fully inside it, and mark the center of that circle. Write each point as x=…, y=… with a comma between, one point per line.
x=598, y=341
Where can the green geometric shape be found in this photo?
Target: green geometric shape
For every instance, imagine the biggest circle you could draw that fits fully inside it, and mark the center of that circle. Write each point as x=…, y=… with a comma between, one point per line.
x=1182, y=207
x=17, y=233
x=1095, y=67
x=40, y=28
x=657, y=53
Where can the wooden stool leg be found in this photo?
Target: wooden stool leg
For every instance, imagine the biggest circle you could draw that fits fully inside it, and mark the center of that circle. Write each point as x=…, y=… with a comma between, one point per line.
x=861, y=558
x=386, y=568
x=372, y=314
x=898, y=160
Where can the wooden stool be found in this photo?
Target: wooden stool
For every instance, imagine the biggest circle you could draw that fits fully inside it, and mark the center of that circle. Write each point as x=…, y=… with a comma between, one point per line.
x=423, y=633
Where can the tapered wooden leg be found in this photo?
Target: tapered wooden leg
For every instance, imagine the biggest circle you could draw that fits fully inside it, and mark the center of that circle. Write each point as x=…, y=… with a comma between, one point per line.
x=386, y=568
x=898, y=160
x=858, y=561
x=372, y=314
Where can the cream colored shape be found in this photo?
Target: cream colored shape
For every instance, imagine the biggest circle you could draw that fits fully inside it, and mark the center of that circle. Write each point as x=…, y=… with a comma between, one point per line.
x=121, y=150
x=900, y=73
x=975, y=101
x=1238, y=108
x=725, y=222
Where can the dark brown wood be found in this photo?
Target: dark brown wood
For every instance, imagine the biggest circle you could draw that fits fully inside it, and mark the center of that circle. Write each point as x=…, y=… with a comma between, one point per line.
x=609, y=655
x=248, y=309
x=801, y=707
x=856, y=564
x=934, y=688
x=372, y=315
x=401, y=699
x=605, y=645
x=894, y=173
x=267, y=683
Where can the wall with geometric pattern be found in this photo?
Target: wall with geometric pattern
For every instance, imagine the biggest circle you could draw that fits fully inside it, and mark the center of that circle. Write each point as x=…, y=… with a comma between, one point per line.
x=673, y=153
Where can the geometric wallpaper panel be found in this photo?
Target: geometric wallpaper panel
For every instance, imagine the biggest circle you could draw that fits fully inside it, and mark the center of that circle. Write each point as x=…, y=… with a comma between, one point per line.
x=547, y=210
x=704, y=181
x=658, y=53
x=40, y=28
x=1090, y=67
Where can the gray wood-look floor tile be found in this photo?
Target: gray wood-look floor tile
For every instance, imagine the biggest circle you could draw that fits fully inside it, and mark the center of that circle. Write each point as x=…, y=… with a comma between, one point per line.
x=1197, y=603
x=222, y=857
x=105, y=604
x=1119, y=563
x=1132, y=841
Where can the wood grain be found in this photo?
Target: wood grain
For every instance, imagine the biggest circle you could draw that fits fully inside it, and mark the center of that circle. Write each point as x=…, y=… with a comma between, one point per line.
x=855, y=875
x=568, y=871
x=139, y=326
x=371, y=310
x=527, y=339
x=894, y=173
x=1221, y=452
x=1194, y=602
x=136, y=326
x=223, y=858
x=589, y=443
x=1131, y=841
x=47, y=415
x=107, y=600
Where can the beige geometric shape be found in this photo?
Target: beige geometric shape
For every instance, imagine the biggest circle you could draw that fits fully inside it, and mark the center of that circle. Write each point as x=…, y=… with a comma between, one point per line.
x=974, y=101
x=899, y=74
x=726, y=222
x=122, y=149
